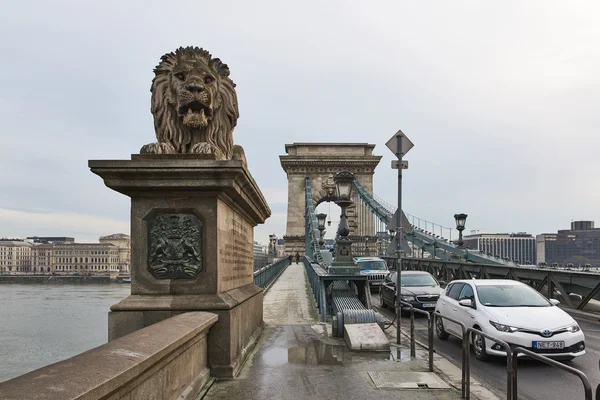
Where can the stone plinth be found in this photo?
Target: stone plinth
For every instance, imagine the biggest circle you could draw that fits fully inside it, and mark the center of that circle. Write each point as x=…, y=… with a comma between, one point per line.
x=192, y=235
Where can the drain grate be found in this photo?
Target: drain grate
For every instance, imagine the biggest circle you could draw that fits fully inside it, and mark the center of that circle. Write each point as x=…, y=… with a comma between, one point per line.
x=407, y=380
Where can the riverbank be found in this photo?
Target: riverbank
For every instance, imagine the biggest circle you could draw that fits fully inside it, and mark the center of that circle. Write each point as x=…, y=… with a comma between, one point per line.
x=57, y=279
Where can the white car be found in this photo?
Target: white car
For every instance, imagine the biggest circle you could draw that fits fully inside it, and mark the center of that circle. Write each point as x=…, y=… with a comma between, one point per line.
x=511, y=311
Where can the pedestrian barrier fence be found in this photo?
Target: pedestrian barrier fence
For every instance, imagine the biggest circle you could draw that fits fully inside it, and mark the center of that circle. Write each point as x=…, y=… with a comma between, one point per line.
x=587, y=387
x=512, y=353
x=265, y=276
x=412, y=331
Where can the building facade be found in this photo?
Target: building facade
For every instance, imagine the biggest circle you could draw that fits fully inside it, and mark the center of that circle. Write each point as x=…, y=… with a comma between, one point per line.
x=123, y=243
x=50, y=255
x=518, y=247
x=579, y=245
x=41, y=258
x=15, y=256
x=85, y=258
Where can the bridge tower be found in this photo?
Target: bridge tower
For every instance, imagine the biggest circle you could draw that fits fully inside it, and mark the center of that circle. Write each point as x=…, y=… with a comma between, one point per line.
x=320, y=162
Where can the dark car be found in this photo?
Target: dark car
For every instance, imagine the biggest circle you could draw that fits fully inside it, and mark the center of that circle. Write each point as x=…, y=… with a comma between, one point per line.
x=419, y=288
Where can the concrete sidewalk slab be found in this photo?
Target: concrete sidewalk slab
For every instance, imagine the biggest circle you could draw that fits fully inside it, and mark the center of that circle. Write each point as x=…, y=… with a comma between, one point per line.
x=296, y=358
x=365, y=337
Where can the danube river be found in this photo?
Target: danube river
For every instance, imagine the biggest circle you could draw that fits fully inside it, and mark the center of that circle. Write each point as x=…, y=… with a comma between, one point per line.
x=42, y=324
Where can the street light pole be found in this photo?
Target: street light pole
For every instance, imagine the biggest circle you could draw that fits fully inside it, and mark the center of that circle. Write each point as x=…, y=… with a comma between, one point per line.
x=399, y=148
x=399, y=233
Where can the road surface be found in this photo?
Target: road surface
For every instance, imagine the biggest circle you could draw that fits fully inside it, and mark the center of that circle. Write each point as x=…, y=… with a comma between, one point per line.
x=536, y=380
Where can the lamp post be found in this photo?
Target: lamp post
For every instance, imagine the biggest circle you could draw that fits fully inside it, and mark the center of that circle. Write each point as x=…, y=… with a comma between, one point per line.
x=343, y=263
x=321, y=218
x=460, y=219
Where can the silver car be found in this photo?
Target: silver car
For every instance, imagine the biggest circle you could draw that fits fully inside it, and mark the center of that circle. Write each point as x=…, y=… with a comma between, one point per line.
x=375, y=268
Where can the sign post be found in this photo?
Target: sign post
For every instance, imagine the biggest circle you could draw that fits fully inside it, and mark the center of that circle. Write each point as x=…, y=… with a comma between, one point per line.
x=399, y=144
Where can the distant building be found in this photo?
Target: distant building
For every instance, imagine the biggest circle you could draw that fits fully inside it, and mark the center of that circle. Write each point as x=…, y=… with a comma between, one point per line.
x=519, y=247
x=42, y=258
x=579, y=245
x=123, y=243
x=48, y=255
x=85, y=258
x=15, y=256
x=50, y=239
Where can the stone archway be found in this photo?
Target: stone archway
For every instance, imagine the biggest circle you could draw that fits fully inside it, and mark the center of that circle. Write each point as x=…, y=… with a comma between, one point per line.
x=319, y=162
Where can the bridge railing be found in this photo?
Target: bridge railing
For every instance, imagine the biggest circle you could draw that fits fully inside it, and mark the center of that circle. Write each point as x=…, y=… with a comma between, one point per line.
x=412, y=331
x=311, y=233
x=265, y=276
x=315, y=273
x=430, y=242
x=550, y=282
x=587, y=387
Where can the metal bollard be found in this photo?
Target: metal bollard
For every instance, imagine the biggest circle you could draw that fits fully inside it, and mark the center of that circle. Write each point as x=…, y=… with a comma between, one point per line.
x=413, y=351
x=430, y=337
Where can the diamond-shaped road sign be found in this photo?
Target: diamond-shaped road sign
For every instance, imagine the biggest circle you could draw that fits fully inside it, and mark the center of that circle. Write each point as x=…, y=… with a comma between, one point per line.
x=392, y=144
x=406, y=228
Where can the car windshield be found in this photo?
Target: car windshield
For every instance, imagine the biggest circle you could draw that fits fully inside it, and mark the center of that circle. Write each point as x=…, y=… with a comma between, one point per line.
x=372, y=265
x=418, y=280
x=510, y=296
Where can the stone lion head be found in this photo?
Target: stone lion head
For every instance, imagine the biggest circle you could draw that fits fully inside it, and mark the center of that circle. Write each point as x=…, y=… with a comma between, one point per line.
x=194, y=105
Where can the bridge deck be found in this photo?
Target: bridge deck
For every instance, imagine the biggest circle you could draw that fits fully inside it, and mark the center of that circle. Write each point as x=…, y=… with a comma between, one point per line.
x=295, y=359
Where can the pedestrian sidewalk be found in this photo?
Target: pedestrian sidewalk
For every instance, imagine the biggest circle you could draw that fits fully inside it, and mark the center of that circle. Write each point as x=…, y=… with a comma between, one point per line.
x=296, y=359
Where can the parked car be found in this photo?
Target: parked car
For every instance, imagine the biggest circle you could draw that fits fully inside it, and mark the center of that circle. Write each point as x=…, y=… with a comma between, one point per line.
x=511, y=311
x=374, y=267
x=419, y=288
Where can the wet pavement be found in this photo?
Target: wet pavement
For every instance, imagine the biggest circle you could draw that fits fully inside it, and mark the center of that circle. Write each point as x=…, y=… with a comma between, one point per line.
x=295, y=358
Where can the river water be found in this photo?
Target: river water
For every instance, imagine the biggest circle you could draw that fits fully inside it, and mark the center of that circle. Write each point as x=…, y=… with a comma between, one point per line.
x=42, y=324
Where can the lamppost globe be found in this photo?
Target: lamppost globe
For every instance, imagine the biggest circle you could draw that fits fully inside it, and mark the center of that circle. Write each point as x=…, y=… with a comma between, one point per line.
x=321, y=218
x=321, y=226
x=392, y=233
x=460, y=219
x=343, y=185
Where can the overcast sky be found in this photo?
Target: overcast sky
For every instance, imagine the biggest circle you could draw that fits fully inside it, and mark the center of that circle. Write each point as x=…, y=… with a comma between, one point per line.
x=501, y=100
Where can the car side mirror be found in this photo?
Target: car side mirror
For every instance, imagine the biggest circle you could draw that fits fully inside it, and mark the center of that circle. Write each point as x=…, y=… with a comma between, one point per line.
x=442, y=284
x=466, y=302
x=554, y=302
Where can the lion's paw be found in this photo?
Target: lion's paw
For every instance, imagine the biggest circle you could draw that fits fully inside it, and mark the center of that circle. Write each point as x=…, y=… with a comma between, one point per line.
x=158, y=148
x=207, y=148
x=238, y=153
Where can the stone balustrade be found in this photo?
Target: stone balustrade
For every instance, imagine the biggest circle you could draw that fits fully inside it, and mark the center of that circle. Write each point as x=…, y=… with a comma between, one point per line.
x=167, y=360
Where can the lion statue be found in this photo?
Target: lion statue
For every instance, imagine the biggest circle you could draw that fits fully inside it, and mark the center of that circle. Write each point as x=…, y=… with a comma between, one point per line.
x=194, y=105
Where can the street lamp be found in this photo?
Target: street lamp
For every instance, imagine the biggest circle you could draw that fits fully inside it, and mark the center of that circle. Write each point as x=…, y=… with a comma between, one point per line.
x=392, y=233
x=343, y=246
x=460, y=219
x=321, y=218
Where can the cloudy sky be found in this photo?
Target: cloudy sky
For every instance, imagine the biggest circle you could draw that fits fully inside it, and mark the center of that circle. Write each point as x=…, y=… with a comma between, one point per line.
x=501, y=100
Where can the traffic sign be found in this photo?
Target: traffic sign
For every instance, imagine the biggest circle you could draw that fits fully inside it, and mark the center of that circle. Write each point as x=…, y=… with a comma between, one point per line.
x=406, y=226
x=392, y=144
x=396, y=162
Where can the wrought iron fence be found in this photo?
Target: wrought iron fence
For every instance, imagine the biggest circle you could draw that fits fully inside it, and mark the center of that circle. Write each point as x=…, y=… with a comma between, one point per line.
x=265, y=276
x=511, y=356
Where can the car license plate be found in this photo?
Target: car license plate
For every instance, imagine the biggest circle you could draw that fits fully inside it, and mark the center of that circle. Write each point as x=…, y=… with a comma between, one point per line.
x=429, y=305
x=548, y=345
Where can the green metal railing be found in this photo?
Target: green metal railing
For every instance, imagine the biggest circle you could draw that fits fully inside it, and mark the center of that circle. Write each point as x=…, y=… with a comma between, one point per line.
x=265, y=276
x=311, y=233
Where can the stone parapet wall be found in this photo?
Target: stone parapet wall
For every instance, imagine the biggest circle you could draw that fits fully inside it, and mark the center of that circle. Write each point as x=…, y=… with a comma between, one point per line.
x=167, y=360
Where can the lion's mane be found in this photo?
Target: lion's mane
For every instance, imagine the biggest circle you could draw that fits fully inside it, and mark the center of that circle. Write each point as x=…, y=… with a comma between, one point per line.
x=169, y=126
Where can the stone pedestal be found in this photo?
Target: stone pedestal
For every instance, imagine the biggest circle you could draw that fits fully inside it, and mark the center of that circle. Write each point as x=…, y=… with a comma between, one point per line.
x=192, y=234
